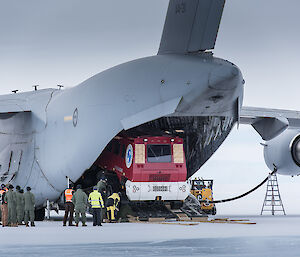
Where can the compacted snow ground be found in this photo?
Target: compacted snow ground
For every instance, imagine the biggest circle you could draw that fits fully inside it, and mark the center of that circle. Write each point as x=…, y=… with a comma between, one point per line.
x=270, y=236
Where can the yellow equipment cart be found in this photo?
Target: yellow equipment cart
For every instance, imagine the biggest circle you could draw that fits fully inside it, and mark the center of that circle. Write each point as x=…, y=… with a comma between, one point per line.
x=202, y=190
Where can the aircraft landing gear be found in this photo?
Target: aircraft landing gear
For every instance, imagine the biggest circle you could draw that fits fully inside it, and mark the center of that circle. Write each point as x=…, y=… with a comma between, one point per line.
x=39, y=214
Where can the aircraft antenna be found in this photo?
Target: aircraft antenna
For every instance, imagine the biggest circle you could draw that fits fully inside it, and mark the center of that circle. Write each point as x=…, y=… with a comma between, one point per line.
x=35, y=87
x=60, y=86
x=15, y=91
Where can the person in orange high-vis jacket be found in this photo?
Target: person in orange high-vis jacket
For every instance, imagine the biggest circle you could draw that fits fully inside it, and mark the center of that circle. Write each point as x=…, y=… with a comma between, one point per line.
x=4, y=209
x=69, y=206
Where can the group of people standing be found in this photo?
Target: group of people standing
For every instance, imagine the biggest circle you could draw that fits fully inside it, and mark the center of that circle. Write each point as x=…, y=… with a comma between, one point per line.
x=78, y=201
x=75, y=200
x=16, y=206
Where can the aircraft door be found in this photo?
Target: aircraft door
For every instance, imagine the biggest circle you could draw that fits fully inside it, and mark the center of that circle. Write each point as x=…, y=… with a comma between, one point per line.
x=10, y=161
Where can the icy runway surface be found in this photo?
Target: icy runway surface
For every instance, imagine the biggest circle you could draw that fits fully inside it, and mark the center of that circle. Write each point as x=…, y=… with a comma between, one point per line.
x=265, y=247
x=271, y=236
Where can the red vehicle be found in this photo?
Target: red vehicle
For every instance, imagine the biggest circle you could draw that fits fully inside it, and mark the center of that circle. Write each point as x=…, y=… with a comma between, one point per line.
x=150, y=168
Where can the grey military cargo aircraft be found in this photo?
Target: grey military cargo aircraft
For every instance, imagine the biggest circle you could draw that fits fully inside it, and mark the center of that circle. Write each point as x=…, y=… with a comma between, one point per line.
x=50, y=135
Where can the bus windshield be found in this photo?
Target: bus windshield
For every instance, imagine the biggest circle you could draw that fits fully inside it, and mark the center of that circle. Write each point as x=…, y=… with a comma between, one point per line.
x=159, y=153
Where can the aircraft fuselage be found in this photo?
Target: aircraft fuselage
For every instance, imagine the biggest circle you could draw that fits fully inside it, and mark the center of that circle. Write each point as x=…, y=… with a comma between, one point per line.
x=66, y=130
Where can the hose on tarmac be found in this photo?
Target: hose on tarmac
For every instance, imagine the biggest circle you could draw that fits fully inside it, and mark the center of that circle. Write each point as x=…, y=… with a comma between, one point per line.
x=245, y=194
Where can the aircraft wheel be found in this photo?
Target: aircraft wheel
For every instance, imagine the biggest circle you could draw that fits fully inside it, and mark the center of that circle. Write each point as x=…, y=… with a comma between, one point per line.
x=214, y=211
x=176, y=205
x=39, y=214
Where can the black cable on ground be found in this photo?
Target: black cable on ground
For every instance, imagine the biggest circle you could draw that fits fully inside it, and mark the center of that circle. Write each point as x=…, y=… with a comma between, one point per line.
x=243, y=195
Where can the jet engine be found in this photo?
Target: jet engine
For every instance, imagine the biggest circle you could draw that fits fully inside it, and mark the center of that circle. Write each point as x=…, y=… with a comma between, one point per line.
x=283, y=152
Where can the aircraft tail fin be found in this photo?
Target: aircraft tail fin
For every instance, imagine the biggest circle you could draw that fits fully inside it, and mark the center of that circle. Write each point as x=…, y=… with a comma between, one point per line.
x=191, y=26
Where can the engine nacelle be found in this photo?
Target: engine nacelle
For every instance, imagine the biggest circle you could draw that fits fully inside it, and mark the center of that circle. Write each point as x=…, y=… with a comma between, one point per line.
x=284, y=152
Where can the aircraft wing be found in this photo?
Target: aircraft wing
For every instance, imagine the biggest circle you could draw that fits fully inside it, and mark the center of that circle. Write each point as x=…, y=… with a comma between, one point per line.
x=10, y=107
x=269, y=123
x=13, y=107
x=191, y=26
x=23, y=102
x=15, y=103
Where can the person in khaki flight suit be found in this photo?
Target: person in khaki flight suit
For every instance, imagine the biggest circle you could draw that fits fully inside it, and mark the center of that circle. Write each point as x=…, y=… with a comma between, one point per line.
x=11, y=199
x=29, y=207
x=79, y=200
x=20, y=205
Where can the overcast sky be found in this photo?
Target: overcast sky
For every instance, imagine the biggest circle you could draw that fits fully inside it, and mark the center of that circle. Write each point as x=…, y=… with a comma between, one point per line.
x=67, y=41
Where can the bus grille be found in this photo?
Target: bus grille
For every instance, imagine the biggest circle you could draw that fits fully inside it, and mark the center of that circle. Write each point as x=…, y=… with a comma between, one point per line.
x=159, y=177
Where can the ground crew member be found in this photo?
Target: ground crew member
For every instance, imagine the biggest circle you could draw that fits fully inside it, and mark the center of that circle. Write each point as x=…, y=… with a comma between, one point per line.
x=11, y=199
x=96, y=201
x=29, y=207
x=102, y=188
x=1, y=192
x=113, y=203
x=0, y=212
x=23, y=207
x=69, y=206
x=4, y=209
x=20, y=205
x=79, y=200
x=101, y=185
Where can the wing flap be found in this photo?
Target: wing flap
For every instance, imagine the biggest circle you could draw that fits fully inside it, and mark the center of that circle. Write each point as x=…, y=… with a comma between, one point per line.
x=269, y=123
x=249, y=115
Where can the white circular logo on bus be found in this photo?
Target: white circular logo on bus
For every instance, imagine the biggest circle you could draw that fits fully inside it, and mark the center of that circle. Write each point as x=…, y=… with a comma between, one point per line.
x=129, y=156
